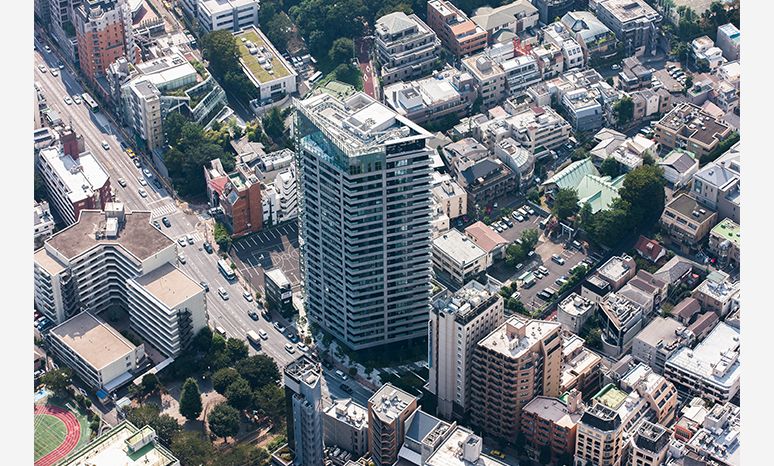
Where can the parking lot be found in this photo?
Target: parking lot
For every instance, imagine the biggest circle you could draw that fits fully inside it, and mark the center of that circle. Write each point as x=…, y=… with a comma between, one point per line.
x=545, y=250
x=275, y=247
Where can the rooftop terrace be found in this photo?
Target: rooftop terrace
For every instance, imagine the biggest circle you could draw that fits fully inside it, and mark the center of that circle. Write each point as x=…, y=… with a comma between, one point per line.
x=259, y=56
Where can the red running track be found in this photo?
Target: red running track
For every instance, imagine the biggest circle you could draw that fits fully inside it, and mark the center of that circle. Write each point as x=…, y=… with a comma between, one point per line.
x=71, y=439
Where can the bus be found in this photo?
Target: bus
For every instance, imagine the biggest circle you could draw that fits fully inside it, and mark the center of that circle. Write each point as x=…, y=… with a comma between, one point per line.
x=90, y=102
x=225, y=269
x=253, y=338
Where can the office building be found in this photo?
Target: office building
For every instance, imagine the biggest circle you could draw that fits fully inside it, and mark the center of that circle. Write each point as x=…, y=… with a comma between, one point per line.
x=658, y=393
x=457, y=323
x=346, y=426
x=269, y=72
x=168, y=308
x=548, y=10
x=366, y=267
x=649, y=445
x=581, y=368
x=238, y=194
x=458, y=258
x=687, y=223
x=689, y=127
x=217, y=15
x=303, y=397
x=457, y=32
x=717, y=184
x=75, y=181
x=279, y=292
x=634, y=22
x=448, y=94
x=123, y=444
x=574, y=311
x=98, y=354
x=552, y=423
x=117, y=258
x=424, y=435
x=621, y=320
x=519, y=360
x=388, y=412
x=728, y=40
x=658, y=341
x=103, y=29
x=461, y=448
x=725, y=243
x=512, y=18
x=43, y=223
x=712, y=369
x=406, y=47
x=599, y=440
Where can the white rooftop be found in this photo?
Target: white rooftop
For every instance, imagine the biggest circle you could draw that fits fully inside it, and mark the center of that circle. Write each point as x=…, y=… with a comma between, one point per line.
x=459, y=247
x=81, y=177
x=517, y=335
x=716, y=359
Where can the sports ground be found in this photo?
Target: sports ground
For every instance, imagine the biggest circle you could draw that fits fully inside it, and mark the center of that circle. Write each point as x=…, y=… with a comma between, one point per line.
x=58, y=431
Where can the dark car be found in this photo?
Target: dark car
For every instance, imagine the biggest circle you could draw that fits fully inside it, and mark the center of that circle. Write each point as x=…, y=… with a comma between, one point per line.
x=253, y=315
x=166, y=222
x=157, y=184
x=156, y=224
x=346, y=388
x=205, y=286
x=207, y=247
x=292, y=337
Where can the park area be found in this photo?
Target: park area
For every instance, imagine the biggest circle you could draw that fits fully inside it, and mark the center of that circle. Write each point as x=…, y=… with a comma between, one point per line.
x=60, y=428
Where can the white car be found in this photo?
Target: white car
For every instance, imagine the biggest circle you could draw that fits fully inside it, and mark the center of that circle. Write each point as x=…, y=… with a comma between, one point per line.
x=68, y=100
x=248, y=296
x=181, y=258
x=122, y=182
x=47, y=49
x=142, y=181
x=142, y=192
x=223, y=293
x=77, y=99
x=105, y=145
x=289, y=348
x=181, y=242
x=54, y=72
x=262, y=333
x=146, y=172
x=302, y=347
x=42, y=68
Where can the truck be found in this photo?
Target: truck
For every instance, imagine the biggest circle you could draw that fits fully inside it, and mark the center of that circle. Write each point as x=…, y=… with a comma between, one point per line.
x=253, y=338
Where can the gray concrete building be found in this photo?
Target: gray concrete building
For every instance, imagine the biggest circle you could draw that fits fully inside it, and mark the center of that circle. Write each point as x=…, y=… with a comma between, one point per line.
x=303, y=397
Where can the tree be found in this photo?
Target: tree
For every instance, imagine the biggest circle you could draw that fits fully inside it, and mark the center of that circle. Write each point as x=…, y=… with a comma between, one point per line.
x=585, y=214
x=173, y=127
x=273, y=124
x=689, y=82
x=220, y=49
x=342, y=50
x=166, y=426
x=236, y=349
x=239, y=394
x=608, y=227
x=579, y=153
x=278, y=29
x=610, y=167
x=624, y=110
x=57, y=380
x=643, y=190
x=192, y=448
x=190, y=400
x=565, y=203
x=270, y=400
x=223, y=378
x=150, y=383
x=223, y=421
x=221, y=237
x=348, y=73
x=243, y=455
x=202, y=341
x=529, y=238
x=533, y=195
x=258, y=370
x=610, y=81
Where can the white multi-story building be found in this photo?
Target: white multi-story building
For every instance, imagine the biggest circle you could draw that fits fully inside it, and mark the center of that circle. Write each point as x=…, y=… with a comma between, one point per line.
x=658, y=341
x=89, y=266
x=346, y=426
x=573, y=312
x=717, y=441
x=43, y=223
x=100, y=356
x=712, y=369
x=703, y=49
x=215, y=15
x=659, y=393
x=728, y=40
x=455, y=255
x=405, y=46
x=286, y=185
x=518, y=159
x=449, y=196
x=634, y=22
x=457, y=322
x=274, y=77
x=74, y=180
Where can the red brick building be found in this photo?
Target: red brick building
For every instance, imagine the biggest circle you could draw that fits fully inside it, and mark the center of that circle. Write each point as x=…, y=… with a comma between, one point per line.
x=104, y=32
x=238, y=194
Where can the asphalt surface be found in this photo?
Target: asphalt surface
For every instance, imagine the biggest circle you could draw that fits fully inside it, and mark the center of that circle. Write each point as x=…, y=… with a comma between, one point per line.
x=276, y=247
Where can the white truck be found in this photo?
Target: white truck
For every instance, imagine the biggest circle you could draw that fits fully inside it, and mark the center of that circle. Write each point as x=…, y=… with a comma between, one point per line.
x=253, y=337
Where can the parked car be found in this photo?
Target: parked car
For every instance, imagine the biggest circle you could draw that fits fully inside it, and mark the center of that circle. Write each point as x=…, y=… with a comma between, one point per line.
x=146, y=172
x=189, y=238
x=302, y=347
x=543, y=270
x=279, y=327
x=42, y=68
x=105, y=145
x=137, y=163
x=157, y=224
x=262, y=333
x=341, y=374
x=181, y=258
x=77, y=99
x=289, y=348
x=558, y=259
x=54, y=72
x=67, y=98
x=205, y=286
x=142, y=181
x=166, y=222
x=248, y=296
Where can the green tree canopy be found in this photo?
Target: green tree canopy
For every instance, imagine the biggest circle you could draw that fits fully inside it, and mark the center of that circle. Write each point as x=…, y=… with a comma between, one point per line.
x=223, y=420
x=222, y=378
x=529, y=238
x=624, y=110
x=166, y=426
x=610, y=167
x=190, y=400
x=270, y=400
x=192, y=448
x=57, y=380
x=202, y=341
x=239, y=394
x=258, y=370
x=342, y=50
x=244, y=455
x=643, y=190
x=150, y=383
x=565, y=203
x=236, y=349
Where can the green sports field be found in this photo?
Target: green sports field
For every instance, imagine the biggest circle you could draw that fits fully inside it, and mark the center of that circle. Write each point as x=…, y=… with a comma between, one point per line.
x=50, y=432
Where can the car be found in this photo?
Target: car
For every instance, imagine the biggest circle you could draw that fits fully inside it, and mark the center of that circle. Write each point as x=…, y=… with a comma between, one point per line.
x=560, y=281
x=142, y=181
x=499, y=229
x=543, y=270
x=289, y=348
x=137, y=163
x=181, y=258
x=253, y=315
x=292, y=337
x=146, y=172
x=181, y=241
x=122, y=182
x=189, y=238
x=157, y=224
x=616, y=67
x=42, y=68
x=105, y=145
x=54, y=71
x=558, y=259
x=207, y=247
x=262, y=333
x=279, y=327
x=142, y=192
x=516, y=295
x=341, y=374
x=68, y=100
x=544, y=296
x=346, y=388
x=530, y=210
x=47, y=49
x=248, y=296
x=537, y=274
x=223, y=293
x=302, y=347
x=128, y=150
x=77, y=99
x=157, y=183
x=520, y=218
x=205, y=286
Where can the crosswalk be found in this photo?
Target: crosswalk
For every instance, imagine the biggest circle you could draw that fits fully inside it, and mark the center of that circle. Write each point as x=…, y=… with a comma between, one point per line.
x=165, y=209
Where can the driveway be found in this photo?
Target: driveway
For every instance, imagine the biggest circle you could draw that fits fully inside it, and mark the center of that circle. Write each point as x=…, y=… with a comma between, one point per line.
x=364, y=63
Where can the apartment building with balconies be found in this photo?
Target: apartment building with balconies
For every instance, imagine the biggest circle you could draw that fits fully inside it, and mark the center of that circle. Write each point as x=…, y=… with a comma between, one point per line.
x=581, y=367
x=599, y=439
x=687, y=223
x=346, y=426
x=389, y=410
x=634, y=22
x=456, y=31
x=725, y=243
x=649, y=446
x=519, y=360
x=549, y=422
x=659, y=393
x=717, y=185
x=458, y=258
x=303, y=397
x=689, y=127
x=405, y=46
x=514, y=17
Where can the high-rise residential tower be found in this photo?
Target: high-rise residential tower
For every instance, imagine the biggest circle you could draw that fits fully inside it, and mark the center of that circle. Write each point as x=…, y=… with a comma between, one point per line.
x=365, y=219
x=303, y=395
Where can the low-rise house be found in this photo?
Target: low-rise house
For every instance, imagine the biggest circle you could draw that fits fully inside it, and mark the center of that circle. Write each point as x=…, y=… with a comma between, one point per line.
x=561, y=37
x=703, y=324
x=687, y=223
x=679, y=167
x=650, y=103
x=649, y=249
x=685, y=310
x=725, y=243
x=645, y=290
x=675, y=271
x=705, y=53
x=618, y=270
x=717, y=184
x=574, y=311
x=594, y=288
x=628, y=152
x=634, y=75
